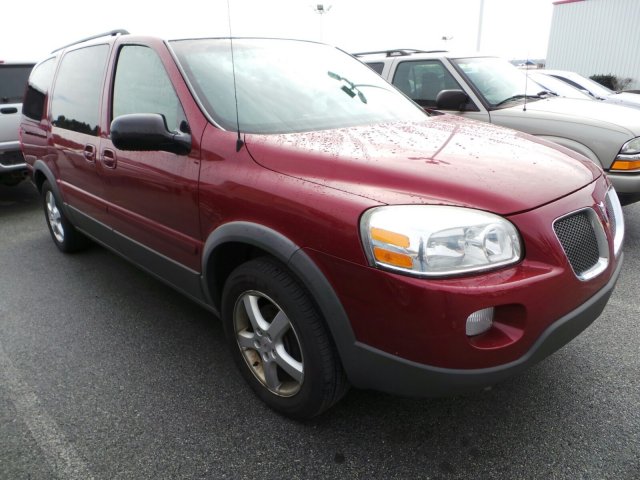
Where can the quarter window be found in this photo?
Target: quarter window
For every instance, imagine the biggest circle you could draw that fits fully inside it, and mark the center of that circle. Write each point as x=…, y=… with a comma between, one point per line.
x=37, y=89
x=76, y=97
x=376, y=67
x=143, y=86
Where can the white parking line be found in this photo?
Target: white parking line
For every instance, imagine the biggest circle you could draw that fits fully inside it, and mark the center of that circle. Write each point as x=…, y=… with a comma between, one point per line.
x=62, y=457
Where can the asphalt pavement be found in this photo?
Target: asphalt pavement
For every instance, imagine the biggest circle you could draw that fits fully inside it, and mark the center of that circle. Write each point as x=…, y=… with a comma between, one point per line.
x=106, y=373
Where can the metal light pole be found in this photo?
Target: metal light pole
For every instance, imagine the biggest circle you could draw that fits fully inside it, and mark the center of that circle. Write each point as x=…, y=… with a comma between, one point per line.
x=321, y=9
x=480, y=18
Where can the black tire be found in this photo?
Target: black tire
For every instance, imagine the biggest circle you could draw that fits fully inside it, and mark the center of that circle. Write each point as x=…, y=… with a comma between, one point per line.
x=287, y=356
x=64, y=235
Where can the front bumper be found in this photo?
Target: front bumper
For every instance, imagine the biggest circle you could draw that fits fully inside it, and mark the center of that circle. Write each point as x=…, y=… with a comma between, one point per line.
x=404, y=377
x=625, y=183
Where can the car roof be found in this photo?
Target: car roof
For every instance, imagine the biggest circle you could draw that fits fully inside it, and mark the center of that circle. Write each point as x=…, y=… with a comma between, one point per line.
x=412, y=53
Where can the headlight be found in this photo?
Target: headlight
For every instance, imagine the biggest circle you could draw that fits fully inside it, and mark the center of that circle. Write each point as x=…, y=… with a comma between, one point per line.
x=629, y=157
x=631, y=147
x=436, y=241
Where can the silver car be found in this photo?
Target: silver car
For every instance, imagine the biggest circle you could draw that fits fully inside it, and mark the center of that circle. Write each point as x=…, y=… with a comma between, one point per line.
x=594, y=89
x=492, y=90
x=13, y=81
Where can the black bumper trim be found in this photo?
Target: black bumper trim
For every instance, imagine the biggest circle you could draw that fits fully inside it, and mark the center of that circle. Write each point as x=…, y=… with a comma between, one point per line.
x=404, y=377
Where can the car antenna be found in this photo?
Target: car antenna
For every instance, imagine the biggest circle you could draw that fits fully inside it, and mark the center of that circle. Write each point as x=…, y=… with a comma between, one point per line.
x=239, y=141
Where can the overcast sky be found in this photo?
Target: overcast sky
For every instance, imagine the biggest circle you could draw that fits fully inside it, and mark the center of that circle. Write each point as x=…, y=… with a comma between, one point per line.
x=511, y=28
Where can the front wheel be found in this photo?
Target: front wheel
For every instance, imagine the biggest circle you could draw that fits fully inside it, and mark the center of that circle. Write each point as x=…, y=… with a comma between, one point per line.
x=64, y=235
x=279, y=340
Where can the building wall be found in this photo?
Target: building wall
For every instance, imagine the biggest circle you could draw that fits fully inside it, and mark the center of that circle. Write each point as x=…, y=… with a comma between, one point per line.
x=594, y=37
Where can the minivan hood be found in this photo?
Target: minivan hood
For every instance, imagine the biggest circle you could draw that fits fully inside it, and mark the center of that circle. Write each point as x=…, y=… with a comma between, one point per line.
x=443, y=160
x=590, y=112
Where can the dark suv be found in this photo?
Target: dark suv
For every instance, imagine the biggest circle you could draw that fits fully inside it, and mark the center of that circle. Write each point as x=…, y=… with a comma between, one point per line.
x=343, y=235
x=13, y=81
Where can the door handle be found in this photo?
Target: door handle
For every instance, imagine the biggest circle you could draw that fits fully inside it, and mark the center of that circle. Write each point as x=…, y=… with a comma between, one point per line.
x=8, y=110
x=35, y=134
x=89, y=153
x=109, y=158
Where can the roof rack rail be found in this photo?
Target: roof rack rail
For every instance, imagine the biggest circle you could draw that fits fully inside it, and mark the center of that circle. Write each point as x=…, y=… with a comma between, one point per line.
x=92, y=37
x=398, y=52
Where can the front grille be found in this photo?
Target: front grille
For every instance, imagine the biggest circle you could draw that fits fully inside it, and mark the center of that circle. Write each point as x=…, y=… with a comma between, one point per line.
x=579, y=241
x=11, y=158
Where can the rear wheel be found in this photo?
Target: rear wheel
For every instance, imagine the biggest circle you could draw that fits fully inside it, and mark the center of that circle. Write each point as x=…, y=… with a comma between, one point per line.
x=279, y=340
x=64, y=235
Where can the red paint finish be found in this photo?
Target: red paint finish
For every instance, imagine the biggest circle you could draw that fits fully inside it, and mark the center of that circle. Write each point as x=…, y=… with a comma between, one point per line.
x=234, y=188
x=313, y=188
x=424, y=320
x=444, y=160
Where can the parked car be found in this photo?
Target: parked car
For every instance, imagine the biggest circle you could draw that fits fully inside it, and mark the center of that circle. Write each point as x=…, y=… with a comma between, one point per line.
x=343, y=235
x=13, y=81
x=492, y=90
x=594, y=89
x=558, y=87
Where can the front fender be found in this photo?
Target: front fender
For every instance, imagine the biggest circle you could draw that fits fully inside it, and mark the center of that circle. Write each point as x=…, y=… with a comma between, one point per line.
x=575, y=146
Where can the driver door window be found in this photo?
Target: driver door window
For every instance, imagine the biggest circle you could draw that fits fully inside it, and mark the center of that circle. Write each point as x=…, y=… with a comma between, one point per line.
x=423, y=80
x=142, y=86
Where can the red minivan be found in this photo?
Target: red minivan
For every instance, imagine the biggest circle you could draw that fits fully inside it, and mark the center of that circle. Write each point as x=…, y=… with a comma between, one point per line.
x=343, y=235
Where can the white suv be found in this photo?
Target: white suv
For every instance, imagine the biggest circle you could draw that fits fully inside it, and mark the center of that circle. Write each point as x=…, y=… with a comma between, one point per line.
x=13, y=81
x=492, y=90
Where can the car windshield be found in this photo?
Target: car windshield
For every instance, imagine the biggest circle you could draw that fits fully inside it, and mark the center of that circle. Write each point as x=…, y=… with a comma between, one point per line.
x=286, y=86
x=497, y=81
x=13, y=81
x=591, y=85
x=558, y=86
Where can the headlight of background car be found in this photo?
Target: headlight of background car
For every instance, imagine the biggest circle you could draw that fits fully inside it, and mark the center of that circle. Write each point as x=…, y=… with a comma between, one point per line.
x=629, y=156
x=437, y=241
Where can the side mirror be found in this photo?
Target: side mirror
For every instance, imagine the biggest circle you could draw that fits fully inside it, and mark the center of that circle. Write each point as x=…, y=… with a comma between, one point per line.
x=148, y=132
x=452, y=100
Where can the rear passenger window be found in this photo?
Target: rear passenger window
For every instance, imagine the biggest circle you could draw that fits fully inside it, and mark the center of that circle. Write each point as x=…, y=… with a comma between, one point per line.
x=143, y=86
x=76, y=97
x=13, y=79
x=423, y=80
x=37, y=89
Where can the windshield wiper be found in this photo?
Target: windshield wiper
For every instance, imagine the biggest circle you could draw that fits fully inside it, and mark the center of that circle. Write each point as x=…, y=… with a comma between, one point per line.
x=350, y=88
x=516, y=97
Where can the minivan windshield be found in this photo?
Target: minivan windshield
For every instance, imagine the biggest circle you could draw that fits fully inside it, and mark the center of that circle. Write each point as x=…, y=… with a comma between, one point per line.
x=286, y=86
x=13, y=81
x=497, y=81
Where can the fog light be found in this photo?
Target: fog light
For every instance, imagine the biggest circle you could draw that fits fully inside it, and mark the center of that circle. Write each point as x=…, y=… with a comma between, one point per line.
x=479, y=322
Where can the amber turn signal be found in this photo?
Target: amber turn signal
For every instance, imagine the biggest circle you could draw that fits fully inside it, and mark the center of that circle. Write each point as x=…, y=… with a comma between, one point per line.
x=392, y=258
x=626, y=165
